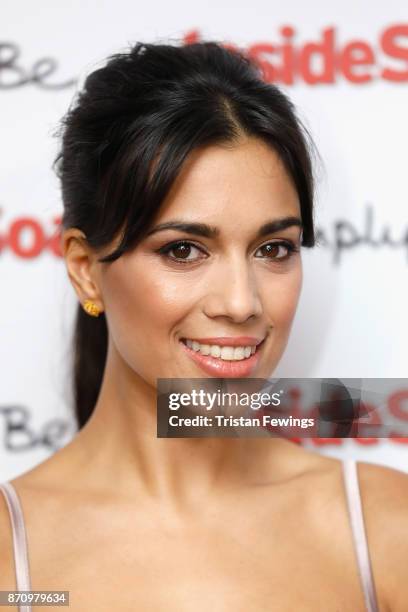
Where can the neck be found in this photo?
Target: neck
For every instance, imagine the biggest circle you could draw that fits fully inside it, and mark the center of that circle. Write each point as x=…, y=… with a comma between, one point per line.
x=122, y=450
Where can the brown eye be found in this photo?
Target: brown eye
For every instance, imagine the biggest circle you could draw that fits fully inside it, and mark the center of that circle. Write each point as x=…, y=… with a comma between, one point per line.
x=277, y=250
x=181, y=252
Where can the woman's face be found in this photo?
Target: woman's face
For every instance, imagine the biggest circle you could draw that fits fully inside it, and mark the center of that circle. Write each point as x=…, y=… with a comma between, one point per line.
x=219, y=282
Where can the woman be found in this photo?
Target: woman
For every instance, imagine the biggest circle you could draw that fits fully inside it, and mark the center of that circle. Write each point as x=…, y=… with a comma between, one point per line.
x=188, y=193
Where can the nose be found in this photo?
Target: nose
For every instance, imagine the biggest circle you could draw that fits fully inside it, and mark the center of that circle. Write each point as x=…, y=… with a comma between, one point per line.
x=234, y=293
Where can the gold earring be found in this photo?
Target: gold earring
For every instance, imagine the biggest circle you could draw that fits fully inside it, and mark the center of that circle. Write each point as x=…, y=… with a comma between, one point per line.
x=91, y=308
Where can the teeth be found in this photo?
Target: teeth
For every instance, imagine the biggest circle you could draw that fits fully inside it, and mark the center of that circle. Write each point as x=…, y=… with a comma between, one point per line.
x=205, y=349
x=215, y=351
x=228, y=353
x=239, y=352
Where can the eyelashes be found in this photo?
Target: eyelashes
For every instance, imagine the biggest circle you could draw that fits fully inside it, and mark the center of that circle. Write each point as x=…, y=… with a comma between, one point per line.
x=185, y=247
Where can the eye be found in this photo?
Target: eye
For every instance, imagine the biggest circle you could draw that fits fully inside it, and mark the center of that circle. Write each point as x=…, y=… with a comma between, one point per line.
x=182, y=251
x=272, y=250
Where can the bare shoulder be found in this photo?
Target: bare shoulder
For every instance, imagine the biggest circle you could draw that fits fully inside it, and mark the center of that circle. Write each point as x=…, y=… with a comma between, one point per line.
x=51, y=476
x=25, y=482
x=384, y=494
x=384, y=497
x=374, y=474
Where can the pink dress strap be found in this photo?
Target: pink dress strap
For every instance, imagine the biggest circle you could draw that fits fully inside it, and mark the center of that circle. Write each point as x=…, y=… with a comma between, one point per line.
x=23, y=582
x=359, y=534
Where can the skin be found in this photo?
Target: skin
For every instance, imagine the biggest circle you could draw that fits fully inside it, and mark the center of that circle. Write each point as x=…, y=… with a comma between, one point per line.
x=227, y=523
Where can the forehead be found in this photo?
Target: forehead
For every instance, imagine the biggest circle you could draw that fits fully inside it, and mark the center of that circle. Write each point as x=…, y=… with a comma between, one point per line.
x=233, y=185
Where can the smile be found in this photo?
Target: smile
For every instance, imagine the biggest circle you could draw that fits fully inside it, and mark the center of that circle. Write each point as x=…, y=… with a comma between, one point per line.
x=227, y=353
x=225, y=357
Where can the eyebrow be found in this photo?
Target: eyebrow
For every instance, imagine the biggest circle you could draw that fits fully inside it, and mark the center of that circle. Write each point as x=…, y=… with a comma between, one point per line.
x=208, y=231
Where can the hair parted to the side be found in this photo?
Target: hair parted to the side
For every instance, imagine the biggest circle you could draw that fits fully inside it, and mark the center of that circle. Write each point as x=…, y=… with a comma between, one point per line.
x=124, y=141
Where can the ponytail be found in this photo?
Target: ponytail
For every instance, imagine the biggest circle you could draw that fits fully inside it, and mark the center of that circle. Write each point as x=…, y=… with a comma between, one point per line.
x=90, y=342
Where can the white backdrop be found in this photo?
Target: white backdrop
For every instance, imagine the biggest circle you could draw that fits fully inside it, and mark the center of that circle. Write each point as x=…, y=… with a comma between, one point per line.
x=344, y=64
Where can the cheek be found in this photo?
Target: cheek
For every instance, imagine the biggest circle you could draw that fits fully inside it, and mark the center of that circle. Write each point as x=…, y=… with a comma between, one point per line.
x=280, y=309
x=142, y=310
x=282, y=299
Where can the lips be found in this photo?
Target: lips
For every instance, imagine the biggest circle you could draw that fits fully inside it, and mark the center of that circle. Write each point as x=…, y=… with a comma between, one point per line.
x=225, y=341
x=215, y=366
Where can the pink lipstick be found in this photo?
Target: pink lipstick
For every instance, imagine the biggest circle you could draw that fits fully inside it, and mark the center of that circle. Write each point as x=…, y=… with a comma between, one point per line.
x=215, y=366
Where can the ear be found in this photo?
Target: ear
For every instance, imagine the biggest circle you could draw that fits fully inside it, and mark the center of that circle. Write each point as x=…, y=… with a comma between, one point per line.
x=81, y=262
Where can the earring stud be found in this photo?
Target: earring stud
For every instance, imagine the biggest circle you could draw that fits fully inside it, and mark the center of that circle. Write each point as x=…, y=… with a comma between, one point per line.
x=91, y=308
